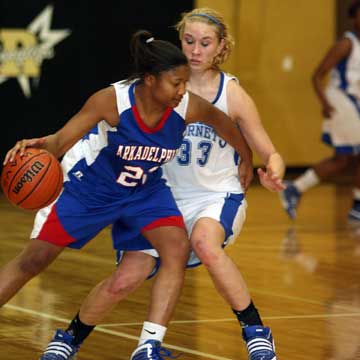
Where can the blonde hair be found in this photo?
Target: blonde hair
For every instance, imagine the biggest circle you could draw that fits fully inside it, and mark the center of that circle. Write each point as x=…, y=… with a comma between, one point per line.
x=214, y=18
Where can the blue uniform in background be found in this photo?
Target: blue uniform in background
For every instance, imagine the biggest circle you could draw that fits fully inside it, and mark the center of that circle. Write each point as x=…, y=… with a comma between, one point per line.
x=342, y=129
x=113, y=176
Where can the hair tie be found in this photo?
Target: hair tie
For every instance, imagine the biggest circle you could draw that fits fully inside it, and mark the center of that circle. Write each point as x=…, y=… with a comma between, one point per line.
x=149, y=40
x=212, y=19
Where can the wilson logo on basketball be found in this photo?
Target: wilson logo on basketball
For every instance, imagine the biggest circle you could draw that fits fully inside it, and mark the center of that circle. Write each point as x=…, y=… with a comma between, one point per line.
x=32, y=180
x=28, y=176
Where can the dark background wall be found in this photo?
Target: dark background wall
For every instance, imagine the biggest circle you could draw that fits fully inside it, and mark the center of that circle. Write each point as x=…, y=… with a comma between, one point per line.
x=343, y=22
x=95, y=54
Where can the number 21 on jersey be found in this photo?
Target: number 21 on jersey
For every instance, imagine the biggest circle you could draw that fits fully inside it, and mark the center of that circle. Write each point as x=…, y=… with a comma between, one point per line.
x=133, y=175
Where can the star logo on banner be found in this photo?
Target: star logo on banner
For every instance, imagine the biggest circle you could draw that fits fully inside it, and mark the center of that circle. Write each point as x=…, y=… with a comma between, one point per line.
x=22, y=51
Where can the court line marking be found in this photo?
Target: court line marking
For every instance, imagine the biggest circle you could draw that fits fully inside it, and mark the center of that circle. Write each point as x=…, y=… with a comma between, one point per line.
x=101, y=329
x=299, y=299
x=104, y=327
x=284, y=317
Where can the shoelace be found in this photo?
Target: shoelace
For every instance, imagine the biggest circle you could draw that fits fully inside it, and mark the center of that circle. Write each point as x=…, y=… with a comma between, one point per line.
x=259, y=345
x=61, y=349
x=56, y=351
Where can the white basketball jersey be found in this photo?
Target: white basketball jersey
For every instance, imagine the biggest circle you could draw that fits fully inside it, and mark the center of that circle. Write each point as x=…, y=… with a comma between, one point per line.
x=205, y=162
x=346, y=74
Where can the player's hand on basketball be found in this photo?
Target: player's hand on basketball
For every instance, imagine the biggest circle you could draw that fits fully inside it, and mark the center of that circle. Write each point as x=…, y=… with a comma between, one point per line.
x=246, y=173
x=20, y=147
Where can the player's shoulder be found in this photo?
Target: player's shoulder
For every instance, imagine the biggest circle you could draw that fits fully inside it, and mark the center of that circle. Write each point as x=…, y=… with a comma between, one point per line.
x=103, y=97
x=122, y=93
x=228, y=76
x=122, y=84
x=121, y=87
x=344, y=43
x=234, y=89
x=349, y=35
x=237, y=98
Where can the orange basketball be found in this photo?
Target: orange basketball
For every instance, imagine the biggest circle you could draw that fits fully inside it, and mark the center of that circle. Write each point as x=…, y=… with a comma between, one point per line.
x=32, y=181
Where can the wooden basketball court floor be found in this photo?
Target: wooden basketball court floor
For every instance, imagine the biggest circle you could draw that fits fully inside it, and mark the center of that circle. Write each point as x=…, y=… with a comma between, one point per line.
x=304, y=277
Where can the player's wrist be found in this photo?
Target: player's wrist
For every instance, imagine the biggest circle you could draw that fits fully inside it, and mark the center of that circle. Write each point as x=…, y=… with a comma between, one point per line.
x=276, y=164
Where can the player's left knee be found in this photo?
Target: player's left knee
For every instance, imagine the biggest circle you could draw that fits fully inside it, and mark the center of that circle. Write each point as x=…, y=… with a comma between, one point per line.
x=207, y=252
x=123, y=285
x=179, y=247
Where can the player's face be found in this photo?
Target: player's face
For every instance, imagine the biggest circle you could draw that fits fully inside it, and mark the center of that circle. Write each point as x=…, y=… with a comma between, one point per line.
x=200, y=44
x=170, y=86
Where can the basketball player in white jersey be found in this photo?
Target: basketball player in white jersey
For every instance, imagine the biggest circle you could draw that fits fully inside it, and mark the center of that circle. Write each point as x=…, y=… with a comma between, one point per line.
x=205, y=183
x=340, y=102
x=211, y=198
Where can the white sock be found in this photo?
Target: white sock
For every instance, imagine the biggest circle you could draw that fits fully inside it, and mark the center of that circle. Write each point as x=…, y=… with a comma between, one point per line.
x=307, y=180
x=152, y=331
x=356, y=193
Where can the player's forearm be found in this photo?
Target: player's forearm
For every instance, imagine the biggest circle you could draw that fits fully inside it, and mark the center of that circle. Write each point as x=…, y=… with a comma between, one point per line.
x=276, y=165
x=258, y=139
x=318, y=85
x=53, y=144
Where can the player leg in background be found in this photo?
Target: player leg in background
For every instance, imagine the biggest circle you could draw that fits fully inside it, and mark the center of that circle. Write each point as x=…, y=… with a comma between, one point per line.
x=131, y=272
x=354, y=213
x=206, y=239
x=33, y=259
x=322, y=171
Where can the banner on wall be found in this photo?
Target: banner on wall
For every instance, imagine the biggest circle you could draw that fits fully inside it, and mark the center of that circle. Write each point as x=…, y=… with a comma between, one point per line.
x=23, y=51
x=53, y=56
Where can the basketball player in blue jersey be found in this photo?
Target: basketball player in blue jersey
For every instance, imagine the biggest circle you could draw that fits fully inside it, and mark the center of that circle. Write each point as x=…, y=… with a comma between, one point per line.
x=204, y=181
x=340, y=102
x=113, y=149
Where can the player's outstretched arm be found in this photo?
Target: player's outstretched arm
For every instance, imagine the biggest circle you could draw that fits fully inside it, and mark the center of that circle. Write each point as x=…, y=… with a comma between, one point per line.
x=243, y=110
x=100, y=106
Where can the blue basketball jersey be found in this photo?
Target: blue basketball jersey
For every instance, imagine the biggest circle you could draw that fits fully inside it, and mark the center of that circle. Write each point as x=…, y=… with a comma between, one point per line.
x=113, y=176
x=114, y=161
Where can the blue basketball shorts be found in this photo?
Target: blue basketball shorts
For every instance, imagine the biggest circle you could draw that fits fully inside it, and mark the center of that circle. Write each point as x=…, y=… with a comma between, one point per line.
x=342, y=130
x=70, y=222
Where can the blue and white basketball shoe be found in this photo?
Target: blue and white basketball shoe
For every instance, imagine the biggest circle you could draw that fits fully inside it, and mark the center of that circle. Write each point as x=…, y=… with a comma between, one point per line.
x=290, y=198
x=60, y=347
x=354, y=213
x=259, y=343
x=151, y=350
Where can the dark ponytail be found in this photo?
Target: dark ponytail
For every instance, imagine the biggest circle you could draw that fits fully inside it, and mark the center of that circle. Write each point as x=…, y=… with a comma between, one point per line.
x=153, y=56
